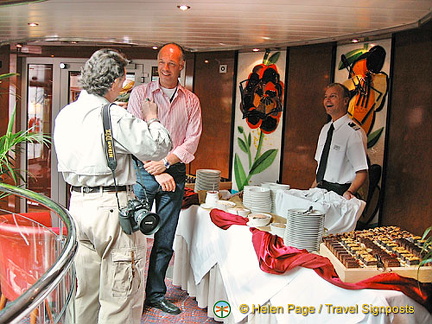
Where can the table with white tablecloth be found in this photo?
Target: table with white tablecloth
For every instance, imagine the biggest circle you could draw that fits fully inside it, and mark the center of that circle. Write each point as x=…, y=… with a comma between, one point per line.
x=214, y=264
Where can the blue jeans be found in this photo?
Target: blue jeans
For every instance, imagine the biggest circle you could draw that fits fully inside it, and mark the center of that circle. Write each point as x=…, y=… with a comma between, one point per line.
x=168, y=206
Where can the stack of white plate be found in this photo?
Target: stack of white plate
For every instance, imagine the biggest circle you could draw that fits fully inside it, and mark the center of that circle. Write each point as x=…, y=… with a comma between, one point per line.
x=304, y=229
x=207, y=179
x=274, y=187
x=257, y=199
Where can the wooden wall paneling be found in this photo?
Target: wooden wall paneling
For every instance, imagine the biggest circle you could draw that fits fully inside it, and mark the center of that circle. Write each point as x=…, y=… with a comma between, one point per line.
x=188, y=84
x=309, y=71
x=215, y=91
x=4, y=88
x=4, y=105
x=10, y=64
x=408, y=174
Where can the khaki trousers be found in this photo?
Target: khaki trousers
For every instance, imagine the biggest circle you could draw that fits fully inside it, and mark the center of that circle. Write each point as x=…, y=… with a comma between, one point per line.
x=109, y=263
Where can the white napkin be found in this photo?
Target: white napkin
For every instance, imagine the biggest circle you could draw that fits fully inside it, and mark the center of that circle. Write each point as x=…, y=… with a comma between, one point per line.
x=341, y=215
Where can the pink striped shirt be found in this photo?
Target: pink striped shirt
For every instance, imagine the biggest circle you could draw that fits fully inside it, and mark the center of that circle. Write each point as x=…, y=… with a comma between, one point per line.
x=182, y=116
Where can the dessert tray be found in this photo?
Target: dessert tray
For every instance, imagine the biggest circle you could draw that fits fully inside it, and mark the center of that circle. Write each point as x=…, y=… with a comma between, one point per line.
x=359, y=255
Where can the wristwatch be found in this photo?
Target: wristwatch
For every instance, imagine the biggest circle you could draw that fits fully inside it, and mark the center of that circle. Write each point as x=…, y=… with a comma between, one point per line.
x=166, y=163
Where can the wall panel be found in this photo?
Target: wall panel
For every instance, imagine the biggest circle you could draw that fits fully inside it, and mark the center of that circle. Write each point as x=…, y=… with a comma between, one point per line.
x=309, y=71
x=408, y=173
x=215, y=91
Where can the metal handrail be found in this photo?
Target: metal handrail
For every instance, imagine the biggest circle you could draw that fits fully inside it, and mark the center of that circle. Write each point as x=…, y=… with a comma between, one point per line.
x=23, y=305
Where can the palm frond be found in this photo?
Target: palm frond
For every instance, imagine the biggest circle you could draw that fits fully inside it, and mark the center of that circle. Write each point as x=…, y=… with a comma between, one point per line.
x=11, y=144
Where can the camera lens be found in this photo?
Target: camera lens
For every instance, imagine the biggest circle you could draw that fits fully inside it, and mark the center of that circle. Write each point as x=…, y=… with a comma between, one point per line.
x=147, y=222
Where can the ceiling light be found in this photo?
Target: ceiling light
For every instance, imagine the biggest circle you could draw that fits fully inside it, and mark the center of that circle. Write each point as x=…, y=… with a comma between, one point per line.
x=183, y=7
x=355, y=40
x=33, y=24
x=255, y=50
x=266, y=37
x=206, y=61
x=155, y=47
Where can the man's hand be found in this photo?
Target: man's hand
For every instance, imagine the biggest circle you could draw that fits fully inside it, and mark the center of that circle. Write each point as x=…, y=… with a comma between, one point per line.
x=348, y=195
x=149, y=109
x=154, y=167
x=166, y=181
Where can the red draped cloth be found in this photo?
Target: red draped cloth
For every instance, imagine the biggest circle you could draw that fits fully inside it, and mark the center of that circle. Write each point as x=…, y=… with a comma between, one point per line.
x=189, y=198
x=276, y=258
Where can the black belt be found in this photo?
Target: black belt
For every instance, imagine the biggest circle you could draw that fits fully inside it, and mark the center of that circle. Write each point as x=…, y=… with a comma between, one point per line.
x=336, y=187
x=98, y=189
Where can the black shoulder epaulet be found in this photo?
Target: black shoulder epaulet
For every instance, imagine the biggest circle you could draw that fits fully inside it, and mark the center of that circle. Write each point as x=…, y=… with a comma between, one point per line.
x=354, y=126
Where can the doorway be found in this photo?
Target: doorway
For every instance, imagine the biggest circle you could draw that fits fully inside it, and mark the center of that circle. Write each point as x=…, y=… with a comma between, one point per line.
x=48, y=85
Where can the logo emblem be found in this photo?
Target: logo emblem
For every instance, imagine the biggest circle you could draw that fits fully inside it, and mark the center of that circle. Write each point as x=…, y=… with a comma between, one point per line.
x=221, y=309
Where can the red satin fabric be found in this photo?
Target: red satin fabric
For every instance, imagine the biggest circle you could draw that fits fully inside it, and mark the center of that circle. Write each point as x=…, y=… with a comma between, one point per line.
x=276, y=258
x=224, y=220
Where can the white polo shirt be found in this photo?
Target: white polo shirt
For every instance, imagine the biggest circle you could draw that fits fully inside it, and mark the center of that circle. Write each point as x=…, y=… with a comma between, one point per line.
x=347, y=153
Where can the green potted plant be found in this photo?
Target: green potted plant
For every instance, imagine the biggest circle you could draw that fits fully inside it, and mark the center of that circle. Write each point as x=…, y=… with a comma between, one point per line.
x=427, y=247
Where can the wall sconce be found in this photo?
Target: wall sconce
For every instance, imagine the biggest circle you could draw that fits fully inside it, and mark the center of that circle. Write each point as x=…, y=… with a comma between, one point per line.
x=64, y=65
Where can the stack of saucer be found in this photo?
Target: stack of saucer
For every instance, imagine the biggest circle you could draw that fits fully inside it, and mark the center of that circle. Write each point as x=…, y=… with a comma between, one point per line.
x=207, y=179
x=304, y=229
x=257, y=199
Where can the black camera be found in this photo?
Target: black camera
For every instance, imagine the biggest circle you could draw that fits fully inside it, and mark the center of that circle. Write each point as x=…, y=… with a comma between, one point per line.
x=137, y=216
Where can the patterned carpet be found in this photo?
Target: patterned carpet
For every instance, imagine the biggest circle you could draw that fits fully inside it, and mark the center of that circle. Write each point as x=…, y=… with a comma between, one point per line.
x=191, y=313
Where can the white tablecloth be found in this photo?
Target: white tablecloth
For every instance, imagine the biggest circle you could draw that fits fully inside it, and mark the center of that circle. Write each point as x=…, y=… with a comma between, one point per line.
x=214, y=264
x=341, y=215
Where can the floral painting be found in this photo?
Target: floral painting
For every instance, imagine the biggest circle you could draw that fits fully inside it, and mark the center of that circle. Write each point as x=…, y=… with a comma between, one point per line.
x=258, y=130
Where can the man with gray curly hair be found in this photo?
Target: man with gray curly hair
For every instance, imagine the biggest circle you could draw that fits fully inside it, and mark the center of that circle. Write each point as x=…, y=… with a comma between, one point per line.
x=109, y=263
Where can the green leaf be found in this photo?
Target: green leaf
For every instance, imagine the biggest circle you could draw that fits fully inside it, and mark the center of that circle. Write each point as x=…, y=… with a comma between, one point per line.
x=426, y=257
x=11, y=143
x=240, y=129
x=273, y=59
x=7, y=75
x=374, y=137
x=423, y=262
x=263, y=162
x=239, y=173
x=249, y=140
x=351, y=57
x=426, y=232
x=242, y=145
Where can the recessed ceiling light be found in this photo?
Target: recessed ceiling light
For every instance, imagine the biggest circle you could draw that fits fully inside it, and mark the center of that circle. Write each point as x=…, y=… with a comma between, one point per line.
x=266, y=37
x=183, y=7
x=155, y=47
x=206, y=61
x=355, y=40
x=255, y=50
x=33, y=24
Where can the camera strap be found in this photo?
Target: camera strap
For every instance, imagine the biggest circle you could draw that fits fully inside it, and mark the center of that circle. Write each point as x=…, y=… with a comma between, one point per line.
x=109, y=144
x=150, y=222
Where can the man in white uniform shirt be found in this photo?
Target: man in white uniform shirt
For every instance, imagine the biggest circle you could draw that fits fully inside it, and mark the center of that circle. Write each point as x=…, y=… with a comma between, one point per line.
x=346, y=169
x=109, y=263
